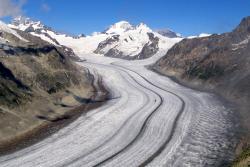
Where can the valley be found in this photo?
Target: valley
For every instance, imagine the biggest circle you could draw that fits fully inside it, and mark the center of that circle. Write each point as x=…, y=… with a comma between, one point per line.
x=144, y=112
x=127, y=96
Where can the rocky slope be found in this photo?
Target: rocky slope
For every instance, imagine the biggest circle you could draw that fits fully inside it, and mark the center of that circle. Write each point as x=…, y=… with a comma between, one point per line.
x=39, y=84
x=36, y=28
x=219, y=63
x=168, y=33
x=121, y=40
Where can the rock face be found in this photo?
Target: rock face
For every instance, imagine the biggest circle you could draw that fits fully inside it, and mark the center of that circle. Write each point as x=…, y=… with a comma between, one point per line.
x=168, y=33
x=108, y=41
x=221, y=60
x=148, y=49
x=219, y=63
x=38, y=83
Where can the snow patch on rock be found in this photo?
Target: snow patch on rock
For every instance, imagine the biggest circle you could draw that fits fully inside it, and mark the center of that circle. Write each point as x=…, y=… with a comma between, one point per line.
x=5, y=28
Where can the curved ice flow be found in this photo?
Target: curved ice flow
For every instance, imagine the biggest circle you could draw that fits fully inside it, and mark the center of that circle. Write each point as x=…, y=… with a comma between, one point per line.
x=155, y=122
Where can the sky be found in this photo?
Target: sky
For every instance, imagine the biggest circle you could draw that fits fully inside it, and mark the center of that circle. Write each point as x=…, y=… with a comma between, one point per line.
x=187, y=17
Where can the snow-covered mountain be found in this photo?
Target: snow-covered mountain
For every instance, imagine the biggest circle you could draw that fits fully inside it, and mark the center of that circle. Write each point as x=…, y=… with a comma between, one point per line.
x=121, y=40
x=35, y=28
x=129, y=42
x=119, y=28
x=169, y=33
x=132, y=42
x=5, y=31
x=38, y=29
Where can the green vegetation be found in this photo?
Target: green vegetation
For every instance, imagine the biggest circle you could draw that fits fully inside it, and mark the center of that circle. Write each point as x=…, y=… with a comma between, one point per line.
x=243, y=160
x=205, y=73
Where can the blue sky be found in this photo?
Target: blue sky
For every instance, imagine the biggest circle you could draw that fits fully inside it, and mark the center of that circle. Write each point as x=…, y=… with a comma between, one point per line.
x=188, y=17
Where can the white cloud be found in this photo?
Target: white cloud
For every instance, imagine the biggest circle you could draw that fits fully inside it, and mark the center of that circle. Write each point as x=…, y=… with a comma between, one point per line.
x=11, y=7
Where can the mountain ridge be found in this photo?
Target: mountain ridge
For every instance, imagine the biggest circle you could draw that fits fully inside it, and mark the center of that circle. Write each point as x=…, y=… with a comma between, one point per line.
x=132, y=42
x=216, y=63
x=168, y=33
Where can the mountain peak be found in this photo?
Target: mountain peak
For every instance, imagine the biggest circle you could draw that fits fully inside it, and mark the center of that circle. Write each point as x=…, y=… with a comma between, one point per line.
x=244, y=25
x=119, y=27
x=245, y=21
x=5, y=28
x=123, y=23
x=81, y=35
x=168, y=33
x=24, y=23
x=22, y=20
x=143, y=26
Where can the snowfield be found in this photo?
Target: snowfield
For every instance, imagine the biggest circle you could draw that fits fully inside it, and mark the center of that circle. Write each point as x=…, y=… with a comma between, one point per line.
x=151, y=121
